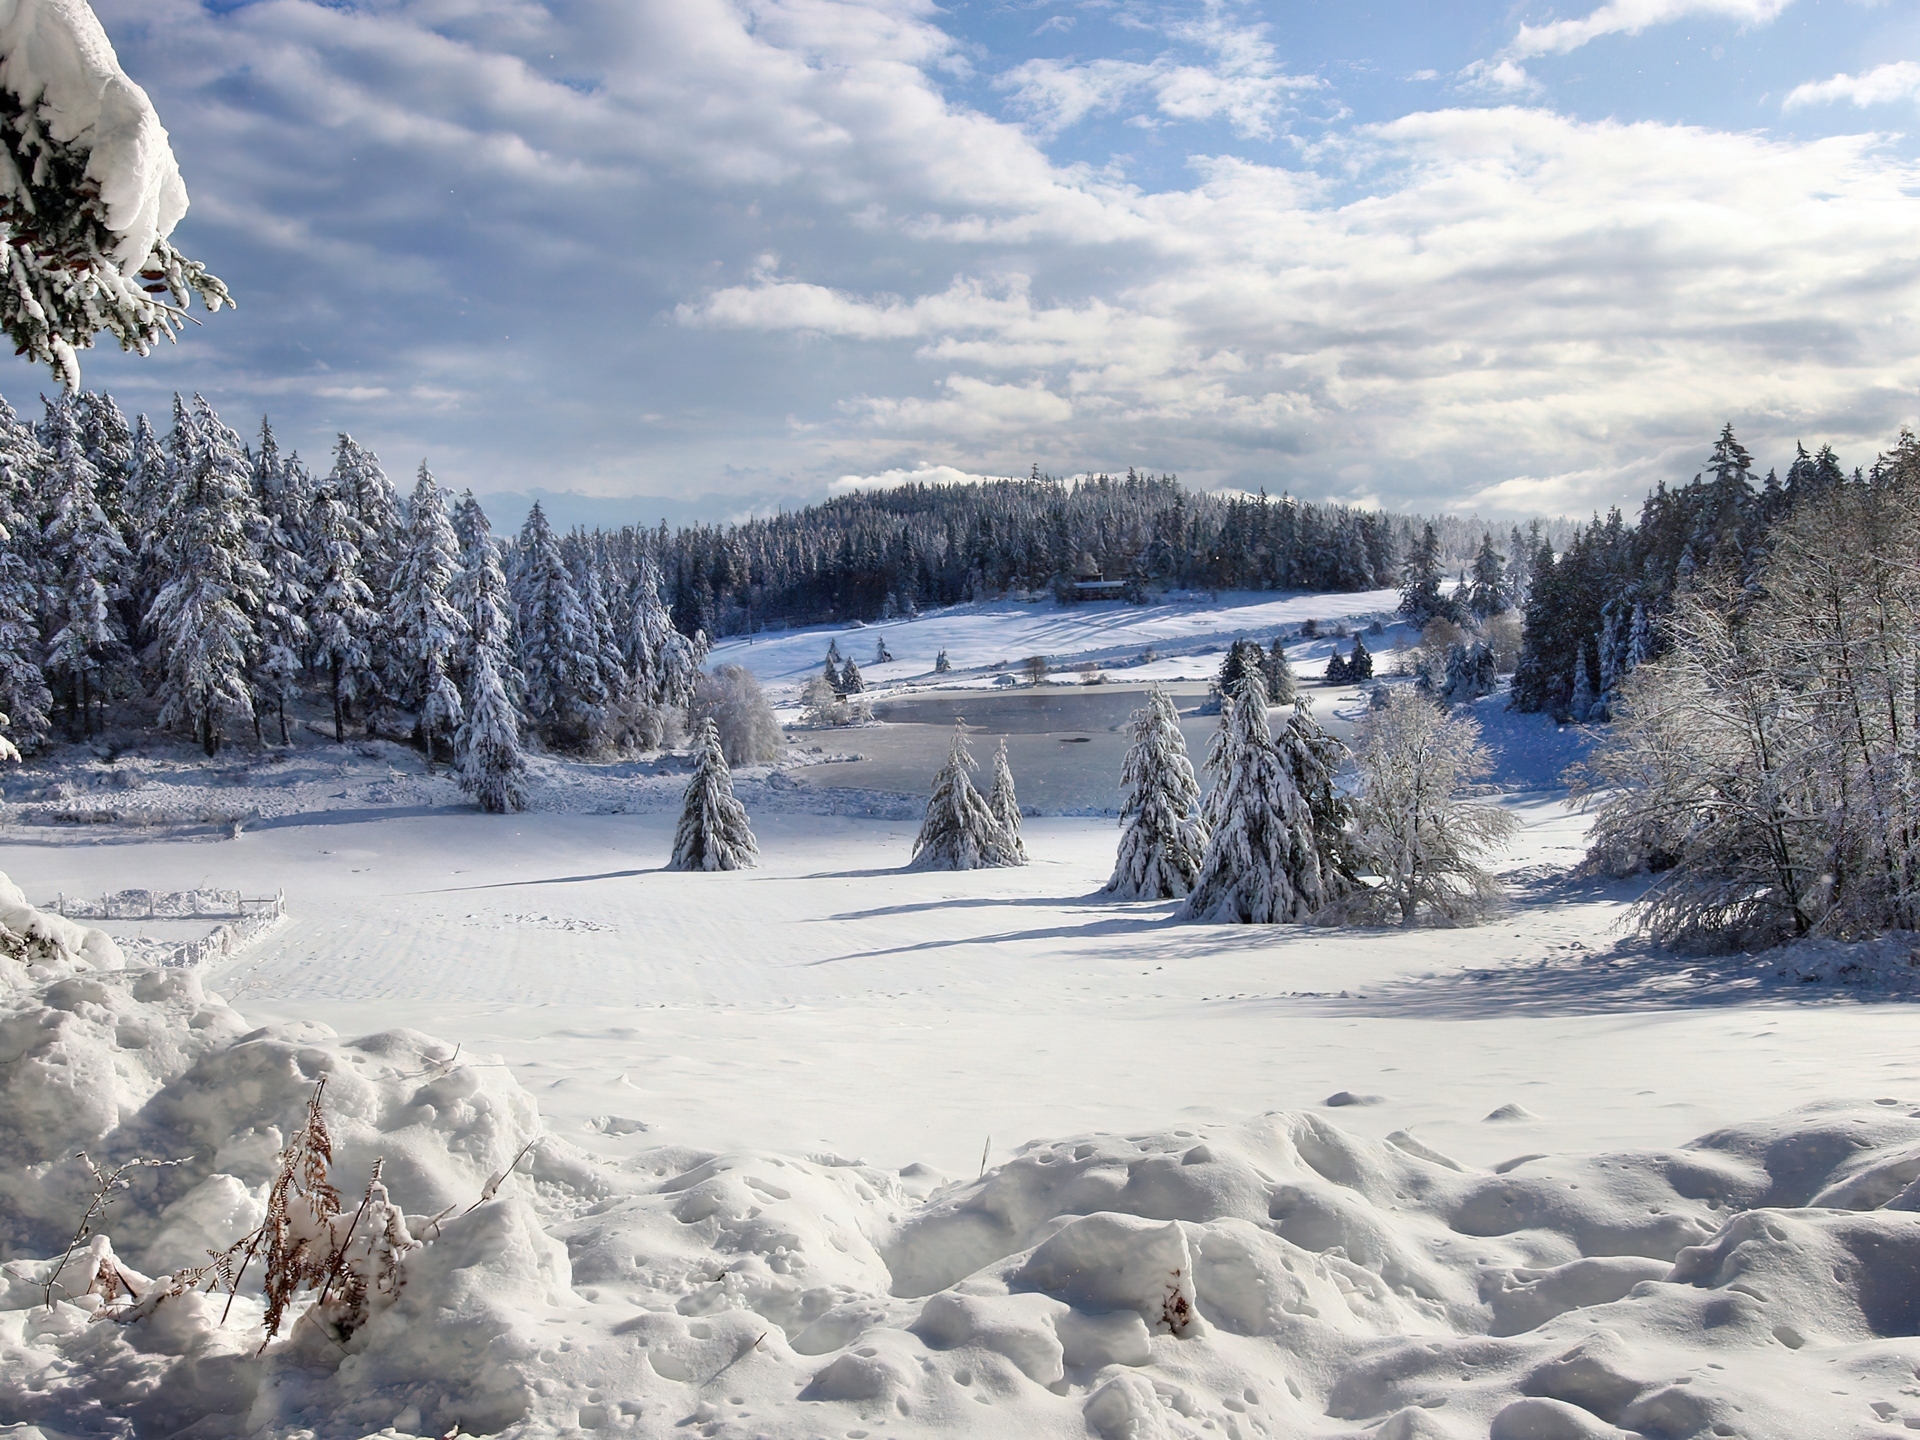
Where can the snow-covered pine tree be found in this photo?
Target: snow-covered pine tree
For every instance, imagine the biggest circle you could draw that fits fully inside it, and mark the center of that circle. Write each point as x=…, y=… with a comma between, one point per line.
x=608, y=661
x=558, y=652
x=1337, y=671
x=959, y=831
x=942, y=665
x=424, y=629
x=851, y=680
x=149, y=521
x=1360, y=663
x=1313, y=758
x=282, y=619
x=24, y=695
x=492, y=768
x=881, y=655
x=832, y=677
x=1412, y=828
x=1639, y=638
x=648, y=632
x=202, y=618
x=1263, y=863
x=1487, y=589
x=84, y=559
x=713, y=833
x=342, y=615
x=1005, y=805
x=479, y=594
x=1580, y=707
x=108, y=441
x=282, y=487
x=1163, y=838
x=1420, y=580
x=369, y=496
x=1282, y=688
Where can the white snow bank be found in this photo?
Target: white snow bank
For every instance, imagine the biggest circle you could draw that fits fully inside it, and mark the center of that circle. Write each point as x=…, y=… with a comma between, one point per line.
x=1279, y=1277
x=54, y=56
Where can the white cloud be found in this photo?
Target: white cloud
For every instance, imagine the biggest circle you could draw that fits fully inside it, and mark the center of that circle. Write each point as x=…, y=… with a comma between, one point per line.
x=1899, y=80
x=1244, y=84
x=1630, y=17
x=922, y=474
x=1499, y=77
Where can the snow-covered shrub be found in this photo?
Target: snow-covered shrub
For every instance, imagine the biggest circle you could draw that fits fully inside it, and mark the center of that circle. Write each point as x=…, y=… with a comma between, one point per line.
x=731, y=700
x=1413, y=830
x=822, y=705
x=960, y=831
x=1163, y=837
x=1764, y=758
x=713, y=833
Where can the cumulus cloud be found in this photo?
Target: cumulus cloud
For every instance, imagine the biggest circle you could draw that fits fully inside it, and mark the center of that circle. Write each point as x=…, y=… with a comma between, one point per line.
x=532, y=242
x=1243, y=82
x=1630, y=17
x=1881, y=85
x=922, y=474
x=1499, y=77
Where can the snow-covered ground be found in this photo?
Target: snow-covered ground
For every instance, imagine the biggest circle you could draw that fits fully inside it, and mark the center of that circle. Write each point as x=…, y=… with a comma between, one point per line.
x=832, y=1149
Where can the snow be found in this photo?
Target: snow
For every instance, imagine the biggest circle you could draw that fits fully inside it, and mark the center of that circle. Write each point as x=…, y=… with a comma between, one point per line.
x=54, y=53
x=831, y=1146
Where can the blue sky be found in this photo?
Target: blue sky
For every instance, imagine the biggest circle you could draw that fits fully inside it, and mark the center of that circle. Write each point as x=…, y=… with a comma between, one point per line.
x=703, y=257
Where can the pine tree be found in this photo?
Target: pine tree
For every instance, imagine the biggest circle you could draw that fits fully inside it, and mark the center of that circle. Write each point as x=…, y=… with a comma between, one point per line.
x=713, y=833
x=1282, y=688
x=202, y=618
x=479, y=594
x=149, y=520
x=424, y=628
x=1164, y=839
x=1360, y=663
x=851, y=681
x=362, y=486
x=1005, y=805
x=1639, y=639
x=84, y=558
x=284, y=598
x=649, y=635
x=24, y=695
x=1420, y=597
x=1580, y=707
x=1412, y=829
x=942, y=665
x=1337, y=671
x=1487, y=591
x=342, y=615
x=492, y=768
x=960, y=831
x=108, y=442
x=1266, y=860
x=558, y=652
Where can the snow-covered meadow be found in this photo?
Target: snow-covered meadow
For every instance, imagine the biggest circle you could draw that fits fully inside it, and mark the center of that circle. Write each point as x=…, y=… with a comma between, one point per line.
x=830, y=1148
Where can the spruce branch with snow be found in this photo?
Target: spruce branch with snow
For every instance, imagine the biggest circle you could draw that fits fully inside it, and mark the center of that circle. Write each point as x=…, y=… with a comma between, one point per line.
x=1413, y=830
x=1163, y=838
x=959, y=831
x=713, y=833
x=89, y=196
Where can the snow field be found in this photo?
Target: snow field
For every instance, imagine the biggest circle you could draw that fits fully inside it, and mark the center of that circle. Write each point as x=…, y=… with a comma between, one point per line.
x=1290, y=1181
x=1279, y=1275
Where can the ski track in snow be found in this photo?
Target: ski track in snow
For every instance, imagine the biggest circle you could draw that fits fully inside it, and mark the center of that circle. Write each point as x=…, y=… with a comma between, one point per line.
x=1397, y=1184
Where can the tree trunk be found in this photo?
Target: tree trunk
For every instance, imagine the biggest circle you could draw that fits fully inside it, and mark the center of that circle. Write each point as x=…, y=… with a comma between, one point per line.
x=209, y=735
x=285, y=739
x=339, y=720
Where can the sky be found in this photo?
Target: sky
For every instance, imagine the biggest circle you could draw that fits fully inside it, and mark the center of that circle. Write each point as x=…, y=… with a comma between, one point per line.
x=697, y=259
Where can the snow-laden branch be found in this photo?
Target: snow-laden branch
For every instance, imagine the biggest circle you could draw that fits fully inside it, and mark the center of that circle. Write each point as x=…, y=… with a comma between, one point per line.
x=89, y=194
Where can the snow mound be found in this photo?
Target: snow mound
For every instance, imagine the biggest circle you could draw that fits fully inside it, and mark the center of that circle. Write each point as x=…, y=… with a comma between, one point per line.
x=1278, y=1277
x=1887, y=962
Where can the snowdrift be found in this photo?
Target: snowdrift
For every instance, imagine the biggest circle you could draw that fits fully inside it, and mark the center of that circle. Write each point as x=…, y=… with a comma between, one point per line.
x=1280, y=1277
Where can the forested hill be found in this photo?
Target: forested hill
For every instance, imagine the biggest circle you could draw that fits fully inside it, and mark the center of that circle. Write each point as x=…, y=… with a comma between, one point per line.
x=874, y=554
